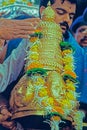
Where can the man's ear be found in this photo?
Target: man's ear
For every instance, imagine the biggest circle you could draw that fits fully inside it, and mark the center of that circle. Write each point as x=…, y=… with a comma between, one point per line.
x=41, y=9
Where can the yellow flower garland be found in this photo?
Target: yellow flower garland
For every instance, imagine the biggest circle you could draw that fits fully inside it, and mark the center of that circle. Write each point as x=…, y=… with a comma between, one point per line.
x=54, y=91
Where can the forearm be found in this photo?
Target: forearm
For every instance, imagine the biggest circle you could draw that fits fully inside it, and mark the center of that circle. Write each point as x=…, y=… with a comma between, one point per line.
x=12, y=66
x=10, y=29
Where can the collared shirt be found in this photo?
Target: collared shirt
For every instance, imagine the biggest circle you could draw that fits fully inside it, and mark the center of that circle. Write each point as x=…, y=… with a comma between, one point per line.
x=80, y=58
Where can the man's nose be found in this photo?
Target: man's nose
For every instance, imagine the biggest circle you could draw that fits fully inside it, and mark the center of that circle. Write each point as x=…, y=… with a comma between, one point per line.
x=67, y=18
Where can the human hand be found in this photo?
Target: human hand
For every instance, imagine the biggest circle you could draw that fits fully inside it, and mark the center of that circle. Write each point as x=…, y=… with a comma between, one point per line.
x=4, y=116
x=9, y=125
x=10, y=29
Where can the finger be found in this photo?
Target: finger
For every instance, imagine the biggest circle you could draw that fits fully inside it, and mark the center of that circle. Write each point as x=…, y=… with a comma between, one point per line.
x=27, y=22
x=24, y=28
x=17, y=34
x=32, y=20
x=8, y=124
x=4, y=111
x=1, y=118
x=22, y=36
x=30, y=26
x=13, y=126
x=8, y=114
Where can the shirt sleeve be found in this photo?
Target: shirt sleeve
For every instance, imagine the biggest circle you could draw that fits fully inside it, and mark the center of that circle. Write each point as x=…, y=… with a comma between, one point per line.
x=13, y=65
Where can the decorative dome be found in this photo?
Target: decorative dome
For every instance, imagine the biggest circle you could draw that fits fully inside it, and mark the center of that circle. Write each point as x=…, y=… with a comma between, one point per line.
x=49, y=84
x=14, y=8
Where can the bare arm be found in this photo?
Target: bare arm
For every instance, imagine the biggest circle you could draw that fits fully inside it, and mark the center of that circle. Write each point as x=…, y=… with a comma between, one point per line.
x=10, y=29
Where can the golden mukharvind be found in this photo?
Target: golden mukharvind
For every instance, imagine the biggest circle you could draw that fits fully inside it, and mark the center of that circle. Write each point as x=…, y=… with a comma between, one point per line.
x=48, y=87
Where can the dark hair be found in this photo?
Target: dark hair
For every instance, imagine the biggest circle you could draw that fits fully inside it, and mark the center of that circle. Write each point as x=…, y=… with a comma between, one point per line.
x=71, y=1
x=79, y=21
x=45, y=2
x=81, y=5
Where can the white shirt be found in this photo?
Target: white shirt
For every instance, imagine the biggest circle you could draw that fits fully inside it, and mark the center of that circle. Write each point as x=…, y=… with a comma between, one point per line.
x=13, y=65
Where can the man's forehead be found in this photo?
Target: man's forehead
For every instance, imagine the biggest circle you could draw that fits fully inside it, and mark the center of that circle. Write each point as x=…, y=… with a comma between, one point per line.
x=65, y=3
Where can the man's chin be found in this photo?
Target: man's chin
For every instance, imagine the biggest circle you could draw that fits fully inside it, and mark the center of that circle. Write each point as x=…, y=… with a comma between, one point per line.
x=63, y=30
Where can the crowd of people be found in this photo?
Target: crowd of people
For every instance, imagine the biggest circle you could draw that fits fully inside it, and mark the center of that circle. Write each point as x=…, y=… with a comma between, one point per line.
x=14, y=35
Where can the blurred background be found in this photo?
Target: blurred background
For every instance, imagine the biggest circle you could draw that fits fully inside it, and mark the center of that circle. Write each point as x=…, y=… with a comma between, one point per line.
x=19, y=1
x=13, y=8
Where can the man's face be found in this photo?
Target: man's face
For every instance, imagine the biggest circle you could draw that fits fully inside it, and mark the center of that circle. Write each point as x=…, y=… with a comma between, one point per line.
x=64, y=13
x=81, y=35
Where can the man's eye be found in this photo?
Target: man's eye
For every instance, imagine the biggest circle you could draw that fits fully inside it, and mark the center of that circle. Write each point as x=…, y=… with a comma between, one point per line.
x=82, y=30
x=61, y=12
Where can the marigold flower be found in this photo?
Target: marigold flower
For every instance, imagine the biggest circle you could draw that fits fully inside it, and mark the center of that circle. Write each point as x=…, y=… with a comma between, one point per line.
x=34, y=65
x=42, y=92
x=55, y=118
x=58, y=109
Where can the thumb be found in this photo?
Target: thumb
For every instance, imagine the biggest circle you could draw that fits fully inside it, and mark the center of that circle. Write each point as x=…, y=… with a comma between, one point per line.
x=6, y=112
